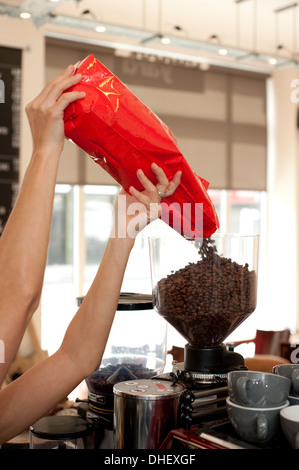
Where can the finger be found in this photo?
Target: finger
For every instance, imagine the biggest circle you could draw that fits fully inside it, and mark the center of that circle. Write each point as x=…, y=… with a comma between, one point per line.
x=141, y=197
x=161, y=177
x=68, y=72
x=58, y=88
x=76, y=65
x=67, y=98
x=173, y=184
x=146, y=183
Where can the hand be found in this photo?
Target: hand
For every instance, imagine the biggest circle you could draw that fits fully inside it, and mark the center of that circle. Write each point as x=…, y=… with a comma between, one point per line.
x=145, y=203
x=164, y=188
x=45, y=112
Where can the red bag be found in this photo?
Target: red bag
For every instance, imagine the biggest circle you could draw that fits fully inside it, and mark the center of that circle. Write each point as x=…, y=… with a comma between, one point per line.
x=122, y=135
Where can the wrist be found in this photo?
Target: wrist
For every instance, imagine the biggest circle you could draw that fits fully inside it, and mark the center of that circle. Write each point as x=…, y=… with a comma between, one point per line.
x=45, y=154
x=118, y=250
x=44, y=163
x=121, y=244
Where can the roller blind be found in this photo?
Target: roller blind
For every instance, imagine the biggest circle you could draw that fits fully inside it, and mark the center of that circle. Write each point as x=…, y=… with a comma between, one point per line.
x=217, y=116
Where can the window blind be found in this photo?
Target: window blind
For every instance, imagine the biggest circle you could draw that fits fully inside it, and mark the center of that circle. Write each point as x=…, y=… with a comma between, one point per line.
x=217, y=116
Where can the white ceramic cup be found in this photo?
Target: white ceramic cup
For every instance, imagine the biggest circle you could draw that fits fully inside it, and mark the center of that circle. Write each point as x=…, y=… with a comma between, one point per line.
x=289, y=419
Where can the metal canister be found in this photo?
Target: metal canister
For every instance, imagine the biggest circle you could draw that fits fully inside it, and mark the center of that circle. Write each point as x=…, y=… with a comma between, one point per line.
x=145, y=411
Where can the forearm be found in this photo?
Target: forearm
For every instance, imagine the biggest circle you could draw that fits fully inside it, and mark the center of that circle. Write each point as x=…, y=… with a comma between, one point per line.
x=91, y=325
x=34, y=394
x=24, y=242
x=23, y=253
x=43, y=386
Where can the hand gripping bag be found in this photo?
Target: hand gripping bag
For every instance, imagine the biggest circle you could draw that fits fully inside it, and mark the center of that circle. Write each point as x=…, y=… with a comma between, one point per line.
x=122, y=135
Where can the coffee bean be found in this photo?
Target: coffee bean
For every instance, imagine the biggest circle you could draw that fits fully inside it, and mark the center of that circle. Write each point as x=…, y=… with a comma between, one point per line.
x=206, y=300
x=102, y=380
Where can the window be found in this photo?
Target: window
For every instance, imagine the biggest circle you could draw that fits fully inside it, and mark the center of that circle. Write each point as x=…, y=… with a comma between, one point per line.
x=59, y=292
x=98, y=209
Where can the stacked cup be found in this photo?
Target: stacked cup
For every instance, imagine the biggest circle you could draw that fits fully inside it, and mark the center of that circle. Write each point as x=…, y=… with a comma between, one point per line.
x=290, y=419
x=254, y=403
x=291, y=371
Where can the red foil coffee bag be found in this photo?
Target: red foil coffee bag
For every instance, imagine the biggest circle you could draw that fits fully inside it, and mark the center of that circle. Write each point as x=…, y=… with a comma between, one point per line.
x=122, y=135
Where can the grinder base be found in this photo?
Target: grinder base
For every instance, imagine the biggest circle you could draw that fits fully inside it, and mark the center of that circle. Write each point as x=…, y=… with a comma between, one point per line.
x=214, y=360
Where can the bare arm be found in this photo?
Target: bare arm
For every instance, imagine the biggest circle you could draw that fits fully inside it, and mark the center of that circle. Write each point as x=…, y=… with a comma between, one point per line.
x=37, y=391
x=24, y=242
x=43, y=386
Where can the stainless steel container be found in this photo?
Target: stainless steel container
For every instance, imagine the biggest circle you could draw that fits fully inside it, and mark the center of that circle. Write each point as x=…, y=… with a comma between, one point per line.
x=145, y=411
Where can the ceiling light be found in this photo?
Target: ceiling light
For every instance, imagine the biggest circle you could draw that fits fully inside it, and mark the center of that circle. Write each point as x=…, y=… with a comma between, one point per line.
x=100, y=28
x=25, y=15
x=272, y=61
x=165, y=40
x=222, y=51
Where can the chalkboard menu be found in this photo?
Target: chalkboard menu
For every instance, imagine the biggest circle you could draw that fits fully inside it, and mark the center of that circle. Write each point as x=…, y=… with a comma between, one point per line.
x=10, y=103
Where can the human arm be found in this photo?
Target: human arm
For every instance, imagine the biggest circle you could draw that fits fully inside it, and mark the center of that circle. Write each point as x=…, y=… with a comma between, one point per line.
x=24, y=241
x=38, y=390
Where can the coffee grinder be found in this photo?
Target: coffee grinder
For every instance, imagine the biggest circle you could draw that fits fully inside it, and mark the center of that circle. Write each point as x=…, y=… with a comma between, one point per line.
x=205, y=289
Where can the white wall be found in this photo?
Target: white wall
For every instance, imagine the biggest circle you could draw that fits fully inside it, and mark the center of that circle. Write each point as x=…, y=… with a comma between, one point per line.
x=282, y=295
